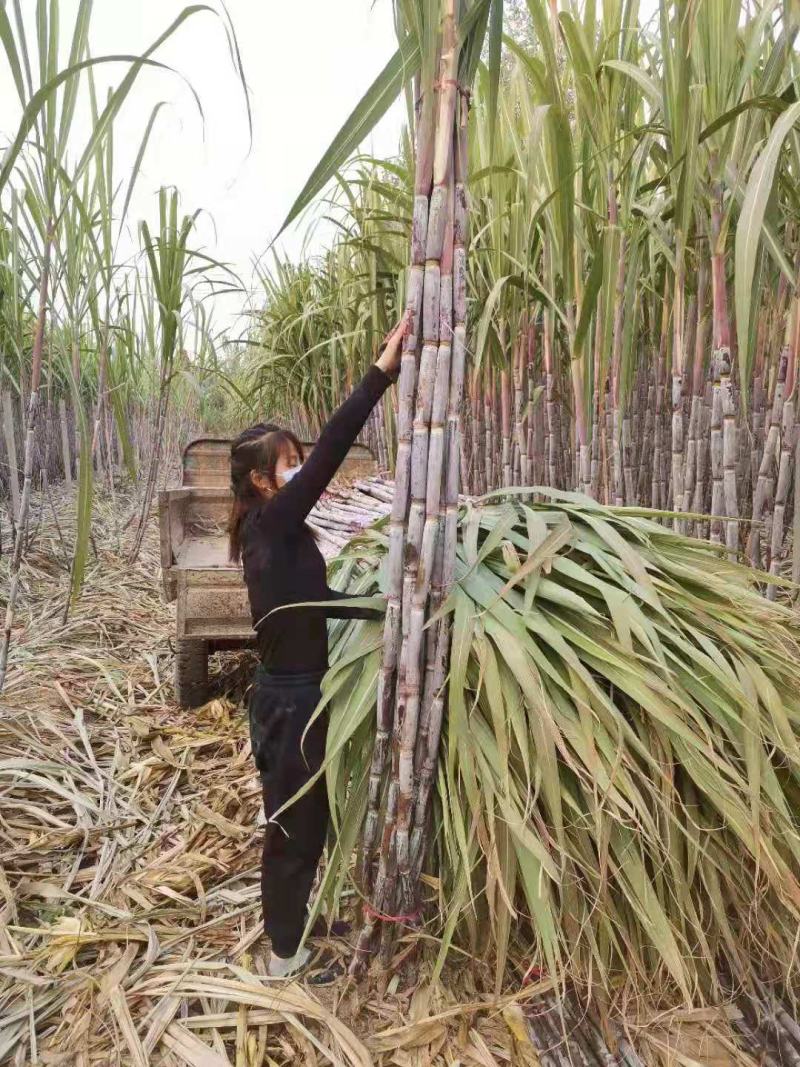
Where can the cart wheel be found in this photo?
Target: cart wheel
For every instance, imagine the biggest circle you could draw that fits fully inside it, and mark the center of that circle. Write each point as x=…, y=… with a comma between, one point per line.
x=191, y=672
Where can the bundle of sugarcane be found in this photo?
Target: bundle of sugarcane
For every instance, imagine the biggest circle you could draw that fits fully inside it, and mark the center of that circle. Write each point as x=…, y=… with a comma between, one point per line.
x=616, y=794
x=345, y=509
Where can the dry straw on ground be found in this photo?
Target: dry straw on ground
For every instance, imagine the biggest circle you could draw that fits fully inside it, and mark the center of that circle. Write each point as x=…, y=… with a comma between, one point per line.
x=129, y=845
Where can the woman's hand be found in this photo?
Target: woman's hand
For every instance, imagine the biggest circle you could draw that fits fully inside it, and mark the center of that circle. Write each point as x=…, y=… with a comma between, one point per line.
x=392, y=348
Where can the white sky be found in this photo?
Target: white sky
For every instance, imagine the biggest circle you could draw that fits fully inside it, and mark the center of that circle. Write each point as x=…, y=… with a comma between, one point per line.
x=307, y=63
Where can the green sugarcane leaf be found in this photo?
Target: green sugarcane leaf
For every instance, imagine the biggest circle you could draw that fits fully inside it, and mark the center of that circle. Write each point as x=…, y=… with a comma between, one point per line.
x=403, y=65
x=78, y=49
x=636, y=74
x=589, y=300
x=751, y=219
x=11, y=53
x=495, y=56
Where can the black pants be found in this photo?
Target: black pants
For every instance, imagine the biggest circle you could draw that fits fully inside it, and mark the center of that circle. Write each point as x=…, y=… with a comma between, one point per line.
x=280, y=708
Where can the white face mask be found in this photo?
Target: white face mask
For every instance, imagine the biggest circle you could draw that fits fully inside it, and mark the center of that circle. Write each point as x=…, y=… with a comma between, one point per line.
x=290, y=472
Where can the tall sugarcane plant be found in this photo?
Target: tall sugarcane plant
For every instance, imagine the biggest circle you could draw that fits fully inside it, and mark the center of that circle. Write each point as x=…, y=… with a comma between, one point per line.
x=61, y=220
x=170, y=259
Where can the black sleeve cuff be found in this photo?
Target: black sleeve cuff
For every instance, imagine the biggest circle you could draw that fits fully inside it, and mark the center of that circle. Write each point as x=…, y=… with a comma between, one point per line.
x=375, y=382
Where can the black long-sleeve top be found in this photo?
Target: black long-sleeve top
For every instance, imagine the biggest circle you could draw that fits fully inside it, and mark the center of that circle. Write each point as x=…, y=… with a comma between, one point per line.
x=282, y=563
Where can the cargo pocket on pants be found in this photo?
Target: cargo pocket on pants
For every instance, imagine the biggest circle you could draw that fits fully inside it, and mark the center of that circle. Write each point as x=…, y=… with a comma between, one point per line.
x=267, y=729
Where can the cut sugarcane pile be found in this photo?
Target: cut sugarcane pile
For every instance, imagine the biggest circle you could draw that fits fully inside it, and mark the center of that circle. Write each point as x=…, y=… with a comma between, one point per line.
x=129, y=849
x=345, y=509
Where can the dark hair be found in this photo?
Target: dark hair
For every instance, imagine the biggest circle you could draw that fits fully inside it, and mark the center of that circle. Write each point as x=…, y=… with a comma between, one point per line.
x=258, y=448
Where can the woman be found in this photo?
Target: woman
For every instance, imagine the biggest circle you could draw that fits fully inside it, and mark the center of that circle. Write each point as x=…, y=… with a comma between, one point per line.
x=274, y=490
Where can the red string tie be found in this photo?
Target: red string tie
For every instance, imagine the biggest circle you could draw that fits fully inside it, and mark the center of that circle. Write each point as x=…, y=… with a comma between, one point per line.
x=401, y=920
x=534, y=974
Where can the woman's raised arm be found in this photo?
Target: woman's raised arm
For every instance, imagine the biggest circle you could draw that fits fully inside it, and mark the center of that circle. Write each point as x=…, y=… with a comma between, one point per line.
x=292, y=503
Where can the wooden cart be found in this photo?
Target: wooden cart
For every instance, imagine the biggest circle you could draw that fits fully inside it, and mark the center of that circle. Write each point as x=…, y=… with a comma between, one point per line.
x=213, y=612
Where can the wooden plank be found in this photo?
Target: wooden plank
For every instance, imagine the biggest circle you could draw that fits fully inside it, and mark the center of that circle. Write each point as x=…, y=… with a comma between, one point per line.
x=207, y=463
x=205, y=552
x=180, y=605
x=213, y=604
x=167, y=579
x=219, y=629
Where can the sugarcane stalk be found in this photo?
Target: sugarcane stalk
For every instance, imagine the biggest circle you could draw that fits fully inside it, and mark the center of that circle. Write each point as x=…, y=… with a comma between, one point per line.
x=723, y=432
x=397, y=531
x=782, y=490
x=11, y=455
x=695, y=414
x=729, y=456
x=477, y=454
x=757, y=433
x=616, y=453
x=466, y=445
x=380, y=437
x=566, y=470
x=96, y=452
x=658, y=490
x=155, y=460
x=431, y=725
x=76, y=370
x=532, y=413
x=582, y=475
x=553, y=434
x=496, y=448
x=606, y=443
x=30, y=426
x=702, y=490
x=428, y=463
x=717, y=495
x=627, y=459
x=432, y=533
x=65, y=453
x=505, y=421
x=617, y=493
x=645, y=468
x=520, y=473
x=678, y=364
x=398, y=523
x=487, y=429
x=788, y=434
x=769, y=452
x=539, y=449
x=428, y=558
x=637, y=422
x=597, y=408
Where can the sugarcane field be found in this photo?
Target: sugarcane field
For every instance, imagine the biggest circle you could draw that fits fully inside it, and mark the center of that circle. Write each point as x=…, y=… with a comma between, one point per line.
x=400, y=533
